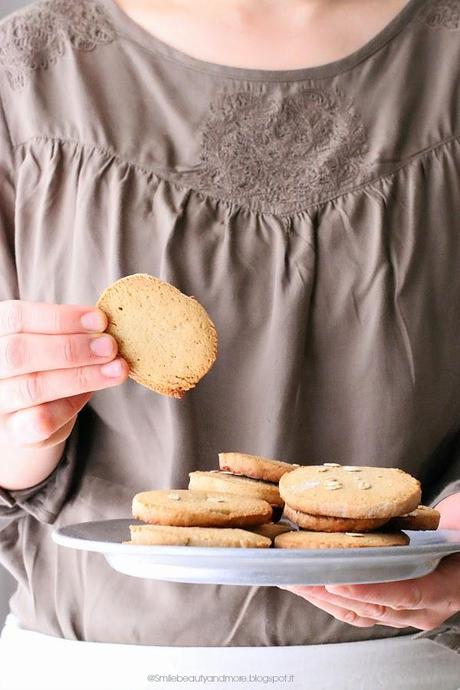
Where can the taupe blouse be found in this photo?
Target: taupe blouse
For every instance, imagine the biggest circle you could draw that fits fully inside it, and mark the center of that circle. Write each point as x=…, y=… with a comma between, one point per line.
x=313, y=212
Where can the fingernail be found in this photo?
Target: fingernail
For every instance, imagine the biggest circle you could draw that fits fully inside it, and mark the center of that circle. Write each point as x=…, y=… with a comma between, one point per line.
x=93, y=321
x=112, y=369
x=103, y=346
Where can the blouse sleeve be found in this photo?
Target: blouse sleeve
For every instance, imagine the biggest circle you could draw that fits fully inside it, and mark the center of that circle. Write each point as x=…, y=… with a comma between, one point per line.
x=45, y=499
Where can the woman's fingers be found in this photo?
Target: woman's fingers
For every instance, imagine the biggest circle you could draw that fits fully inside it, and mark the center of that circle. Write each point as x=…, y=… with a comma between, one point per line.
x=407, y=594
x=52, y=357
x=60, y=435
x=435, y=590
x=31, y=390
x=360, y=613
x=18, y=316
x=342, y=614
x=26, y=353
x=44, y=423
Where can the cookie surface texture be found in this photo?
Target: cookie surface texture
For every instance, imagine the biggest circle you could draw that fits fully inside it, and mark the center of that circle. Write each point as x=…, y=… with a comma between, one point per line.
x=166, y=337
x=255, y=466
x=304, y=539
x=231, y=483
x=350, y=492
x=184, y=508
x=197, y=536
x=325, y=523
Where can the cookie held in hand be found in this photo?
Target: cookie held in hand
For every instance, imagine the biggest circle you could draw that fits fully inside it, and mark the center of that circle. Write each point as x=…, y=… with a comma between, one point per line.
x=166, y=337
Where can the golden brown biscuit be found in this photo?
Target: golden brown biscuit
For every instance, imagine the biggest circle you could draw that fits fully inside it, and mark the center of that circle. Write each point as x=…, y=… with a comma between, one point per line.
x=197, y=536
x=233, y=484
x=325, y=523
x=184, y=508
x=166, y=337
x=350, y=492
x=303, y=539
x=421, y=518
x=255, y=466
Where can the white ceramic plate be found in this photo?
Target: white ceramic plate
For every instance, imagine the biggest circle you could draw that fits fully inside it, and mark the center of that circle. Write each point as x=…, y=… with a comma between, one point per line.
x=260, y=566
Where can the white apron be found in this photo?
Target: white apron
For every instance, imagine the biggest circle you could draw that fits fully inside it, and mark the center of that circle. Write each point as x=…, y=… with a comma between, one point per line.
x=33, y=661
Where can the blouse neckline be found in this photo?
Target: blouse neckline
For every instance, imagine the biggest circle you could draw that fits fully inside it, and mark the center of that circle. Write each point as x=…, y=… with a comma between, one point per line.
x=129, y=28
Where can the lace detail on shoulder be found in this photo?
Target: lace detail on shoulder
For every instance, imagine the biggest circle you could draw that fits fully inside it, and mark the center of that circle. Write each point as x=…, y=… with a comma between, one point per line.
x=35, y=37
x=442, y=14
x=281, y=152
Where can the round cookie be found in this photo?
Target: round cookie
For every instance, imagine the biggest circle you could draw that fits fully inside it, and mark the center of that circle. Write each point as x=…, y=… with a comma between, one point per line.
x=325, y=523
x=197, y=536
x=166, y=337
x=186, y=508
x=303, y=539
x=350, y=492
x=255, y=466
x=421, y=518
x=242, y=486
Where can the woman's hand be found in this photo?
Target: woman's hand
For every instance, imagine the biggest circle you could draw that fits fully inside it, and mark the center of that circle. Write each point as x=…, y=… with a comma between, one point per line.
x=422, y=603
x=51, y=359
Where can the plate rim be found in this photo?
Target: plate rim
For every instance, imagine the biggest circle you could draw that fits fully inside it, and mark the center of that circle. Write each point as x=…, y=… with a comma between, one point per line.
x=97, y=546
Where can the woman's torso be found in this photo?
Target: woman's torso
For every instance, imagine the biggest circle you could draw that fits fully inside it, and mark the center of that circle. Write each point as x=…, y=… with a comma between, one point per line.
x=312, y=212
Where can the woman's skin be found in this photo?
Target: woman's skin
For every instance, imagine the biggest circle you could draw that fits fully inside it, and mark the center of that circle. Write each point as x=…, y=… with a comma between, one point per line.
x=264, y=34
x=52, y=359
x=48, y=369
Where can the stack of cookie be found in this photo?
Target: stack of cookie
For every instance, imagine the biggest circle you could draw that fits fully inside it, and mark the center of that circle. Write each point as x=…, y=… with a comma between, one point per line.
x=337, y=506
x=325, y=506
x=243, y=494
x=199, y=518
x=246, y=475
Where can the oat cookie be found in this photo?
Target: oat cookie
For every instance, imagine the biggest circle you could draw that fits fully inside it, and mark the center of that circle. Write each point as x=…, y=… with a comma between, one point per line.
x=303, y=539
x=166, y=337
x=255, y=466
x=325, y=523
x=343, y=491
x=421, y=518
x=184, y=508
x=233, y=484
x=197, y=536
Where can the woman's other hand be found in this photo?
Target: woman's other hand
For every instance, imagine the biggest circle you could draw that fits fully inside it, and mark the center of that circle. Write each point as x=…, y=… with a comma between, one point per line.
x=422, y=603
